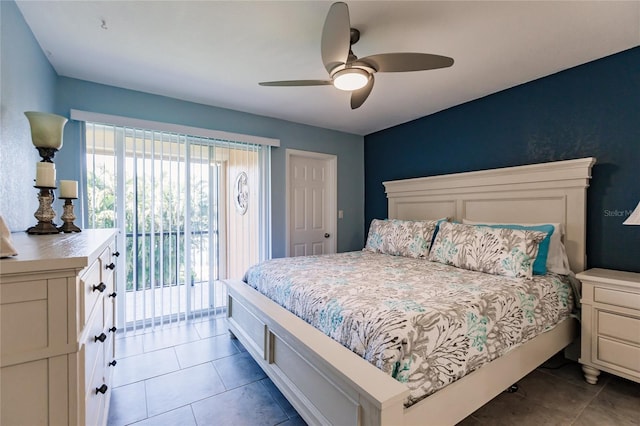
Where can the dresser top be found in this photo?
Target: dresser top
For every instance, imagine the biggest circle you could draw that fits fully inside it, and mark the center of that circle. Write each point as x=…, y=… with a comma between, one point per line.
x=55, y=251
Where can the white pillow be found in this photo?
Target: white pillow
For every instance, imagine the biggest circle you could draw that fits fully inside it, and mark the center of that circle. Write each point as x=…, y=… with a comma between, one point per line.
x=557, y=260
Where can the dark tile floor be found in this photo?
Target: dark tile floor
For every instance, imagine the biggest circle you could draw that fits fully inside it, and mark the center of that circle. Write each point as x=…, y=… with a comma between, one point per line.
x=556, y=394
x=195, y=374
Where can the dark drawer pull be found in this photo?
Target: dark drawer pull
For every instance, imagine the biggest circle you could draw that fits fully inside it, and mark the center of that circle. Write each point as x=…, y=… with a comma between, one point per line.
x=102, y=337
x=111, y=266
x=116, y=254
x=113, y=329
x=112, y=363
x=113, y=294
x=100, y=287
x=102, y=389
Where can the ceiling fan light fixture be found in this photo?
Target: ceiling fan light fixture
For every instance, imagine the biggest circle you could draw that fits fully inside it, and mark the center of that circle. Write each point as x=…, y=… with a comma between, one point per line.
x=350, y=79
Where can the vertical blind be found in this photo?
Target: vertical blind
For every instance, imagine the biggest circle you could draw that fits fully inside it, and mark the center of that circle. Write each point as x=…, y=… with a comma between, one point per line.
x=191, y=211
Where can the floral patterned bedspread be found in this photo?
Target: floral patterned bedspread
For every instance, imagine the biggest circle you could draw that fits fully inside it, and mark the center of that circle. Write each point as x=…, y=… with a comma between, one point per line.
x=426, y=324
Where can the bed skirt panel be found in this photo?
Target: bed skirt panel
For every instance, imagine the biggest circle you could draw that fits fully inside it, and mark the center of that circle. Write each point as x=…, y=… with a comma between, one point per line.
x=321, y=381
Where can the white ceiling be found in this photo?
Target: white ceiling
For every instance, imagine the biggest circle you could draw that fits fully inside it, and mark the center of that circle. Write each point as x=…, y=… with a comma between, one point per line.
x=215, y=52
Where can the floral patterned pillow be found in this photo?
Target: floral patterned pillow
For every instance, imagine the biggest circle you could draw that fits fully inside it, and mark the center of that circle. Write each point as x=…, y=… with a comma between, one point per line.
x=409, y=238
x=498, y=251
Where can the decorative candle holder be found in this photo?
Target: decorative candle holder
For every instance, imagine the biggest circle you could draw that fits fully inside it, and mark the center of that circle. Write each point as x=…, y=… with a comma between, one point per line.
x=68, y=217
x=45, y=213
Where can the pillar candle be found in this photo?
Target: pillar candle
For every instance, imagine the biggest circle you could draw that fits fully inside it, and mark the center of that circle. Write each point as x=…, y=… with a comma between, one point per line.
x=68, y=189
x=46, y=175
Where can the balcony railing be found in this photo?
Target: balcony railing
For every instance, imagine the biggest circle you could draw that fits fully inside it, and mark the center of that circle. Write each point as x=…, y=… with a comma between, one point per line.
x=156, y=278
x=165, y=264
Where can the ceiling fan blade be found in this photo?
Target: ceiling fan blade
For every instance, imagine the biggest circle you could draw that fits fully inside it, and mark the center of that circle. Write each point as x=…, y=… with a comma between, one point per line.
x=359, y=96
x=401, y=62
x=297, y=83
x=336, y=36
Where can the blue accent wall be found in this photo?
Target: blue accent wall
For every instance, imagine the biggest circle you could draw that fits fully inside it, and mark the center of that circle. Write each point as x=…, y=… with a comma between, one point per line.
x=27, y=83
x=589, y=110
x=349, y=148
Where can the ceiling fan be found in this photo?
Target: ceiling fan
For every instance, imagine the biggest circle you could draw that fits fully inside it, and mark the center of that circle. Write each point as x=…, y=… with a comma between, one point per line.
x=349, y=73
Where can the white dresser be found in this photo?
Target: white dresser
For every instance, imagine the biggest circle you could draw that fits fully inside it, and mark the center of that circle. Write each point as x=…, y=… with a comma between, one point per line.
x=57, y=302
x=610, y=324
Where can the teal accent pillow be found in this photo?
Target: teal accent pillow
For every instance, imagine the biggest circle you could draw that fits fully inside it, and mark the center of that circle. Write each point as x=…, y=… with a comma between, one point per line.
x=540, y=264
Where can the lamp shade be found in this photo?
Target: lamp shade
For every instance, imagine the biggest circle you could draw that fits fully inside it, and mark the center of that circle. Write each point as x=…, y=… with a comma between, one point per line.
x=46, y=129
x=634, y=217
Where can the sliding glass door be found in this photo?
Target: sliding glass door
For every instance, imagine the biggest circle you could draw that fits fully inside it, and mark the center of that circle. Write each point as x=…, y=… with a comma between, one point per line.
x=175, y=200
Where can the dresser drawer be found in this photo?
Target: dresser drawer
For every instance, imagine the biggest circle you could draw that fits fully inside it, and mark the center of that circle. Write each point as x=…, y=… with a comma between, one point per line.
x=109, y=357
x=624, y=299
x=107, y=263
x=98, y=280
x=618, y=354
x=619, y=326
x=109, y=324
x=108, y=302
x=90, y=283
x=94, y=399
x=93, y=350
x=97, y=372
x=96, y=378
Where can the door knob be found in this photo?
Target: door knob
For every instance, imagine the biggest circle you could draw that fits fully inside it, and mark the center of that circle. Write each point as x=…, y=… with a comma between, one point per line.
x=327, y=235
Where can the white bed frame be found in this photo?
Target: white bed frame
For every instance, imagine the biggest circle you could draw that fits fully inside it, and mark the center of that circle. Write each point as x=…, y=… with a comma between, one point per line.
x=329, y=384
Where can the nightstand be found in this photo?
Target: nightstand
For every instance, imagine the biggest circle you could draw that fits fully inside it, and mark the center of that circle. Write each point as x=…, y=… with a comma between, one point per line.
x=610, y=324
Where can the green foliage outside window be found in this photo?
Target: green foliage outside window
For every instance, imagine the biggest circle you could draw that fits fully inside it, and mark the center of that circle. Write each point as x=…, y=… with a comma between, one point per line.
x=154, y=223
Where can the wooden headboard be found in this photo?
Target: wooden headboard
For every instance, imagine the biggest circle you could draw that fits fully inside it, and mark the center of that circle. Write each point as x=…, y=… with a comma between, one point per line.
x=553, y=192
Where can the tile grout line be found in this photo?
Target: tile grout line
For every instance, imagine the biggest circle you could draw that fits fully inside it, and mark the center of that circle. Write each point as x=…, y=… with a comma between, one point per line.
x=589, y=403
x=190, y=404
x=146, y=380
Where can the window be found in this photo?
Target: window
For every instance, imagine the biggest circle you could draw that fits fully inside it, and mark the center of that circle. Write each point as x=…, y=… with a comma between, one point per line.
x=190, y=210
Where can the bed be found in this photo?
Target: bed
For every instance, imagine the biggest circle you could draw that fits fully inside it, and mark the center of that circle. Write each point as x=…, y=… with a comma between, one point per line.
x=329, y=384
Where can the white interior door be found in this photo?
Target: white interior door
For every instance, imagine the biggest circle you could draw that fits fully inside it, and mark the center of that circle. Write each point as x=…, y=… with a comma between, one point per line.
x=312, y=211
